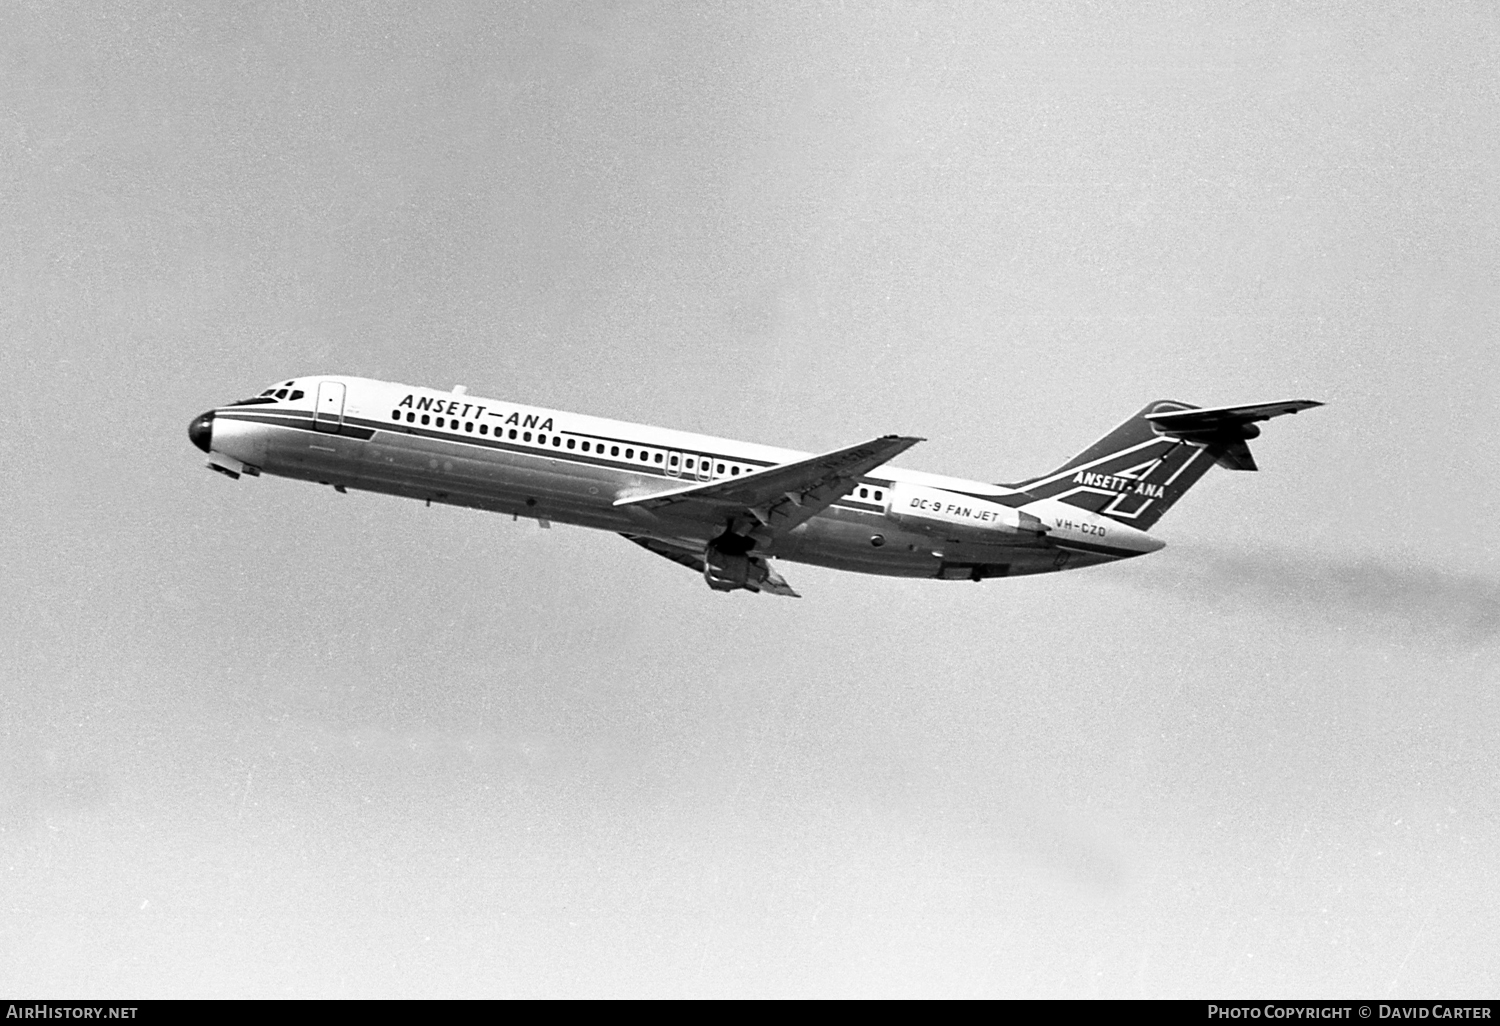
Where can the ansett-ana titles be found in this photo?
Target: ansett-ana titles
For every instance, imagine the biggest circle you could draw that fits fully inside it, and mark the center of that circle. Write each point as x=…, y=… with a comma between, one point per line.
x=458, y=408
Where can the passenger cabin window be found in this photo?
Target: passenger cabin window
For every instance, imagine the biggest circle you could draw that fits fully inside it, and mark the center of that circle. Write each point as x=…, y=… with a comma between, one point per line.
x=614, y=450
x=410, y=417
x=484, y=429
x=556, y=441
x=571, y=442
x=424, y=419
x=468, y=425
x=526, y=437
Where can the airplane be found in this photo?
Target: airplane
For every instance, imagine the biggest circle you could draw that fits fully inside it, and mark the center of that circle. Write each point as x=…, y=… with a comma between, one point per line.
x=727, y=508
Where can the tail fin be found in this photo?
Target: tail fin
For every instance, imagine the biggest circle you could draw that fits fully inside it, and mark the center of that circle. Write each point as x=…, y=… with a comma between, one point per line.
x=1136, y=472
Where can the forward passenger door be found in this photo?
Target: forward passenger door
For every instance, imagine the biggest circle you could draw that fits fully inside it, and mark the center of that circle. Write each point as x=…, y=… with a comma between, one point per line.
x=328, y=413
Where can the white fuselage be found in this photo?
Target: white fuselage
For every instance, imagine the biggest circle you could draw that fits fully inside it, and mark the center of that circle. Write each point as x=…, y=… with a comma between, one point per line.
x=550, y=465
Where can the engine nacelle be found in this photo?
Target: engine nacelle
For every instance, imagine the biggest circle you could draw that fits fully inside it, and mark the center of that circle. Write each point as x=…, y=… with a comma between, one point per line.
x=726, y=571
x=959, y=516
x=729, y=571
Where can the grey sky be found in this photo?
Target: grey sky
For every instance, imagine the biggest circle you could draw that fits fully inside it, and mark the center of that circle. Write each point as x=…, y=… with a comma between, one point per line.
x=262, y=739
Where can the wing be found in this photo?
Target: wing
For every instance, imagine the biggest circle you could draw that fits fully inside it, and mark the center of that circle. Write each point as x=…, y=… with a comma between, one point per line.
x=762, y=578
x=784, y=496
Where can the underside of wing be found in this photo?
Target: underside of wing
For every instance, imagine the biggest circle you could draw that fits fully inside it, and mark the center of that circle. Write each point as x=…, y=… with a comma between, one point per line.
x=779, y=497
x=675, y=553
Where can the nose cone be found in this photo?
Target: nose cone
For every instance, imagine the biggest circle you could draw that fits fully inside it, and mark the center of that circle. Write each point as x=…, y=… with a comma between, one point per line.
x=201, y=430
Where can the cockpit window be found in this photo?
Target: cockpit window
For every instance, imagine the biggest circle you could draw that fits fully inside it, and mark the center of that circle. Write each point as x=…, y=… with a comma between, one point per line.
x=274, y=393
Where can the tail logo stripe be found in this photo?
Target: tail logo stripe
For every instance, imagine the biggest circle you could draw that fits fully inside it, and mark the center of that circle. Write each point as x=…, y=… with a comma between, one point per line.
x=1103, y=459
x=1140, y=471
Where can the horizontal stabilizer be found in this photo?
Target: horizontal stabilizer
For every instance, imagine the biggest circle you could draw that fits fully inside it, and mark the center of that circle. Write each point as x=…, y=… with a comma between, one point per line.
x=1224, y=429
x=1218, y=418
